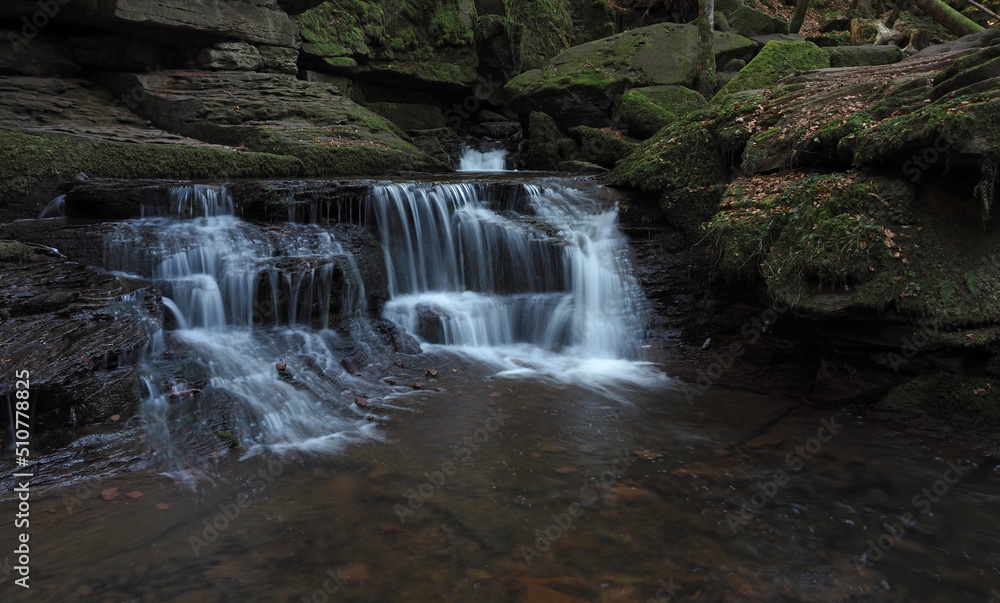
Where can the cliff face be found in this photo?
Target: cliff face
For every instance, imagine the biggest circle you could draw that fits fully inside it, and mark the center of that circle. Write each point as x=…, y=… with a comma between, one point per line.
x=244, y=88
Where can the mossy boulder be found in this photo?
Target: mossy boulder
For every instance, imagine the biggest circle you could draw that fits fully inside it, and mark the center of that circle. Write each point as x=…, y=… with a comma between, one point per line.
x=426, y=44
x=809, y=234
x=602, y=147
x=694, y=152
x=644, y=111
x=543, y=142
x=582, y=84
x=750, y=22
x=775, y=61
x=861, y=56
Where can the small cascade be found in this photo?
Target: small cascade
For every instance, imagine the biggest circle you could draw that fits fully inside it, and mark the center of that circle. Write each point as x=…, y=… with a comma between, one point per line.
x=242, y=299
x=472, y=160
x=466, y=271
x=193, y=201
x=55, y=209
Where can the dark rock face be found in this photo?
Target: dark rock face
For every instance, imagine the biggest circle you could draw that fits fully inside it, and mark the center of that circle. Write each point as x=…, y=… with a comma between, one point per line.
x=77, y=329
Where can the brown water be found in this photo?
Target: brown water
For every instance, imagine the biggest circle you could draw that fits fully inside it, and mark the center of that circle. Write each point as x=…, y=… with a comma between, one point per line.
x=671, y=471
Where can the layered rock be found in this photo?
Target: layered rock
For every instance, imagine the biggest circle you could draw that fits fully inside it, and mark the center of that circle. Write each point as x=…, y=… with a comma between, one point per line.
x=76, y=330
x=582, y=84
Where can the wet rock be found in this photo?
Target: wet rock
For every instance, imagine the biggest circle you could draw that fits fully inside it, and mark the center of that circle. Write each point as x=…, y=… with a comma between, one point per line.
x=361, y=402
x=77, y=329
x=109, y=494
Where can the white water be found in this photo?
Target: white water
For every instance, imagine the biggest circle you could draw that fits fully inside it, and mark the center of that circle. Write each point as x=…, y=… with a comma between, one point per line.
x=549, y=290
x=472, y=160
x=242, y=301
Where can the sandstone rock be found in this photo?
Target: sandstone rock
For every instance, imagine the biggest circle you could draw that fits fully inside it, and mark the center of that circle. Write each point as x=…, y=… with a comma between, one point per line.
x=36, y=56
x=230, y=56
x=750, y=22
x=580, y=167
x=858, y=56
x=261, y=21
x=600, y=147
x=775, y=60
x=834, y=23
x=543, y=141
x=644, y=111
x=89, y=375
x=580, y=85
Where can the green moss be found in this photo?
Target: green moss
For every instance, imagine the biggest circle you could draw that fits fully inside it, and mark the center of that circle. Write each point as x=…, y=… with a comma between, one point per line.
x=807, y=234
x=832, y=39
x=231, y=440
x=602, y=147
x=27, y=160
x=693, y=152
x=547, y=29
x=969, y=403
x=14, y=252
x=338, y=29
x=646, y=110
x=775, y=61
x=543, y=142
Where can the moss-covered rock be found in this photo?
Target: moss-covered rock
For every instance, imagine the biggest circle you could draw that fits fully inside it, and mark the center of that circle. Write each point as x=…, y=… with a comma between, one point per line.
x=812, y=233
x=968, y=403
x=428, y=43
x=543, y=142
x=603, y=147
x=860, y=56
x=750, y=22
x=693, y=152
x=775, y=61
x=644, y=111
x=580, y=85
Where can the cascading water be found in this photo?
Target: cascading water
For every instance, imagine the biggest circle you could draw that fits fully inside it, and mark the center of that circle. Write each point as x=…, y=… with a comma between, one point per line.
x=472, y=160
x=546, y=275
x=221, y=277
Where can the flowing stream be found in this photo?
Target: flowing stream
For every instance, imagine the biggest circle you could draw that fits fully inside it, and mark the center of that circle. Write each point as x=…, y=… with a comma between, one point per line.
x=531, y=452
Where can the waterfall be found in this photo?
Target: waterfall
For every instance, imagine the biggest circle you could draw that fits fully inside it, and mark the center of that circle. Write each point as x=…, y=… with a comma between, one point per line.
x=240, y=299
x=472, y=160
x=469, y=270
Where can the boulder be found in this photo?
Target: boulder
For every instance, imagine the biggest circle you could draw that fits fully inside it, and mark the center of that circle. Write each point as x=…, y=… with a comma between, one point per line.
x=582, y=84
x=600, y=147
x=860, y=56
x=750, y=22
x=580, y=167
x=834, y=22
x=543, y=142
x=775, y=61
x=644, y=111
